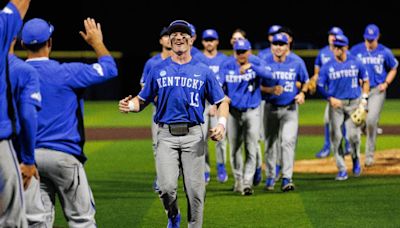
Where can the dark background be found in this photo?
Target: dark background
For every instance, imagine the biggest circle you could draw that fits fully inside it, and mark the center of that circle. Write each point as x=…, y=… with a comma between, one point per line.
x=133, y=29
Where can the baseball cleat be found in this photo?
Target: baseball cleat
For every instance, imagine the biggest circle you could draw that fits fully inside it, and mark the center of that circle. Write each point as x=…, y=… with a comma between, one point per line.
x=247, y=191
x=269, y=184
x=369, y=162
x=341, y=176
x=323, y=153
x=207, y=177
x=257, y=177
x=356, y=167
x=287, y=185
x=222, y=176
x=174, y=222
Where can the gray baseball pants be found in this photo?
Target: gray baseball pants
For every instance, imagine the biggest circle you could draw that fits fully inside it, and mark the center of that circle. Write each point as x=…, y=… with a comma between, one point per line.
x=338, y=117
x=243, y=126
x=376, y=100
x=280, y=138
x=12, y=205
x=63, y=175
x=186, y=153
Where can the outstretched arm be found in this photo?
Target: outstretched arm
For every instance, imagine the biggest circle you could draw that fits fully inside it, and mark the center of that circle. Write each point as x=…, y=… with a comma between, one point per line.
x=22, y=6
x=94, y=37
x=129, y=104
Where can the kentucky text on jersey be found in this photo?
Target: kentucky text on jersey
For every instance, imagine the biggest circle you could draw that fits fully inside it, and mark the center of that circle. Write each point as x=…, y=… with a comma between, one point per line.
x=344, y=73
x=180, y=81
x=232, y=78
x=284, y=75
x=372, y=59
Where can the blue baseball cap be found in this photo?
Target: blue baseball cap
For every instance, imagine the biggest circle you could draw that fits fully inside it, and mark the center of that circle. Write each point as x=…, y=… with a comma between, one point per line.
x=192, y=29
x=371, y=32
x=335, y=31
x=180, y=26
x=36, y=31
x=341, y=40
x=210, y=34
x=164, y=31
x=242, y=44
x=273, y=29
x=280, y=38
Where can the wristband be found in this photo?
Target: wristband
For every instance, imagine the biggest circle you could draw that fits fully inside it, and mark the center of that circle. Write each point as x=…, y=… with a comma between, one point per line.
x=222, y=120
x=131, y=106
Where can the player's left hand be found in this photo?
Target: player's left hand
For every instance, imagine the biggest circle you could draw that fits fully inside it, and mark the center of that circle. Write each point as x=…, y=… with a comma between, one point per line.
x=300, y=98
x=27, y=172
x=217, y=133
x=244, y=67
x=382, y=87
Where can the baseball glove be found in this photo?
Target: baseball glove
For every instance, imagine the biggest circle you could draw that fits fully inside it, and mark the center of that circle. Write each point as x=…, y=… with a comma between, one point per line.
x=359, y=116
x=312, y=86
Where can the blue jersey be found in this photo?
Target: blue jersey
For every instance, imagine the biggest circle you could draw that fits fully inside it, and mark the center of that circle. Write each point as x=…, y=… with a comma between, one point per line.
x=341, y=79
x=324, y=55
x=153, y=61
x=60, y=122
x=10, y=24
x=25, y=86
x=215, y=63
x=264, y=53
x=244, y=89
x=285, y=74
x=181, y=90
x=378, y=62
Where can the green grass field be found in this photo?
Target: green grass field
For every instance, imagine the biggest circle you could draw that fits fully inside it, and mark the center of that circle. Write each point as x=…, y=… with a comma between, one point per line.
x=121, y=175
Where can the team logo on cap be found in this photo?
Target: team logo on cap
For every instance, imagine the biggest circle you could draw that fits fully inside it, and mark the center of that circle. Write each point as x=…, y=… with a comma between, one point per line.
x=370, y=31
x=279, y=36
x=240, y=42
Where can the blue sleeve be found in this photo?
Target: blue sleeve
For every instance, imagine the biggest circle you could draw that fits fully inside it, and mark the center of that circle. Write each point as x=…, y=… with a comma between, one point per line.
x=390, y=61
x=318, y=61
x=303, y=74
x=83, y=75
x=321, y=84
x=362, y=72
x=146, y=71
x=262, y=70
x=215, y=94
x=150, y=89
x=10, y=24
x=30, y=91
x=27, y=114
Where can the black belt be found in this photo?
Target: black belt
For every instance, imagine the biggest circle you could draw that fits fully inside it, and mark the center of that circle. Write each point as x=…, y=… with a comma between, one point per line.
x=290, y=107
x=178, y=129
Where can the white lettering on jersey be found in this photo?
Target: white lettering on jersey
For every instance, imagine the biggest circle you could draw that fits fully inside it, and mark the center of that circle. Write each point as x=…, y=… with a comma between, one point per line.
x=99, y=69
x=344, y=73
x=232, y=78
x=284, y=75
x=36, y=96
x=178, y=81
x=378, y=60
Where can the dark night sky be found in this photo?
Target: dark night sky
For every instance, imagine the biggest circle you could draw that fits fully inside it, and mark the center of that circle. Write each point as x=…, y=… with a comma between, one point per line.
x=125, y=28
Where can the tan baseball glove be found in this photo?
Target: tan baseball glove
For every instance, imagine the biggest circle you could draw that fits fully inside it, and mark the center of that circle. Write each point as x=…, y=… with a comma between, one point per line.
x=359, y=116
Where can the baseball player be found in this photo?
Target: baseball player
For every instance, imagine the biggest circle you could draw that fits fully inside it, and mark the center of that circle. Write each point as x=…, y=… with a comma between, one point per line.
x=382, y=69
x=241, y=80
x=26, y=94
x=324, y=56
x=12, y=205
x=60, y=135
x=271, y=32
x=339, y=83
x=182, y=84
x=288, y=32
x=214, y=59
x=281, y=111
x=150, y=63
